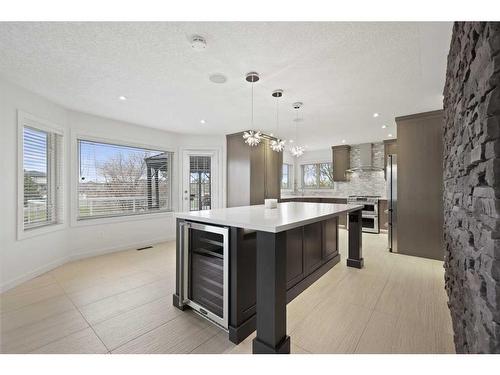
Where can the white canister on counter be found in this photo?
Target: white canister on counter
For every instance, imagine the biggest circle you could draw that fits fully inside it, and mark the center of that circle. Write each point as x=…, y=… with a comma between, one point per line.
x=270, y=203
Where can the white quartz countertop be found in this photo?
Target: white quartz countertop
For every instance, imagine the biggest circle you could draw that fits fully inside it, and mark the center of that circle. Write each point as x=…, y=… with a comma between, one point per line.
x=311, y=196
x=286, y=216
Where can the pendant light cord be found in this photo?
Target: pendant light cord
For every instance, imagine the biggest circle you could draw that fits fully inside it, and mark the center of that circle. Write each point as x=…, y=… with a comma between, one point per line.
x=252, y=105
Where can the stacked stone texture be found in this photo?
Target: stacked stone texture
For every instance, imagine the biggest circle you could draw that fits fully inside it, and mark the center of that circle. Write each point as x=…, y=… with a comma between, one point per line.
x=472, y=186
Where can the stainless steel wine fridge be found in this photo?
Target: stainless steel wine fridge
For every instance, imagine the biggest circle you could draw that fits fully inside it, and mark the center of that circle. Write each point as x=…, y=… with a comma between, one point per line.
x=204, y=277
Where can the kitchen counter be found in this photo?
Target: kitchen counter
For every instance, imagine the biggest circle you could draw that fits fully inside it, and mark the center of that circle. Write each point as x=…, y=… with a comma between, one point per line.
x=321, y=196
x=269, y=257
x=324, y=196
x=286, y=216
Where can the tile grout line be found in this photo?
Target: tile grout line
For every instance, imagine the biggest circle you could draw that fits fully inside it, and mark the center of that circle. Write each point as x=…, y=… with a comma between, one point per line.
x=83, y=317
x=144, y=333
x=210, y=338
x=115, y=294
x=314, y=306
x=372, y=312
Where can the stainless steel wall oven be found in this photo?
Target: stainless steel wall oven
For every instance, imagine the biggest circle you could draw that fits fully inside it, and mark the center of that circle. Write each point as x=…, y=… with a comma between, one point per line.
x=370, y=215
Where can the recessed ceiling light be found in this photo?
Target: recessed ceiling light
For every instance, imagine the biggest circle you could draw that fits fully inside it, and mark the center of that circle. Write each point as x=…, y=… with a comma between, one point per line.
x=291, y=141
x=343, y=141
x=217, y=78
x=390, y=135
x=123, y=98
x=384, y=126
x=375, y=114
x=203, y=121
x=272, y=135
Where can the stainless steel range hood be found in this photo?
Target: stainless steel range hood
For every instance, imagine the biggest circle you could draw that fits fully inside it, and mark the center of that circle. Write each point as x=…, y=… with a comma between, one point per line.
x=365, y=159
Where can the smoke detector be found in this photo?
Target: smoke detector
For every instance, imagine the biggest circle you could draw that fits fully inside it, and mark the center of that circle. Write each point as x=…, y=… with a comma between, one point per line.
x=198, y=43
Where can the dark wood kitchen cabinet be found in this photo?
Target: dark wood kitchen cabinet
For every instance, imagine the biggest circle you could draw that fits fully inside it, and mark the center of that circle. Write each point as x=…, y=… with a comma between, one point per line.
x=253, y=173
x=341, y=158
x=294, y=257
x=313, y=246
x=342, y=218
x=420, y=185
x=312, y=250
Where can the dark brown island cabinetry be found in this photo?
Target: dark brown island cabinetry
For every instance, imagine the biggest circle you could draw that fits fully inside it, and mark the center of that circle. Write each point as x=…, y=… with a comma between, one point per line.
x=341, y=157
x=342, y=218
x=311, y=251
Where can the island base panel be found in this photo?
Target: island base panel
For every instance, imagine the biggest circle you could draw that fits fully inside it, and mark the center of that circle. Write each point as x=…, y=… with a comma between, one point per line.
x=239, y=333
x=355, y=263
x=355, y=245
x=176, y=302
x=271, y=294
x=258, y=347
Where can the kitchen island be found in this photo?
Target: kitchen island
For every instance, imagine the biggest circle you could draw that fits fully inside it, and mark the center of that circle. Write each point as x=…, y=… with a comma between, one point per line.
x=240, y=266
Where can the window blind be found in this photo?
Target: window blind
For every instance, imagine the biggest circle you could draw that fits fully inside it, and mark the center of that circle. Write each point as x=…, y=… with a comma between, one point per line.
x=118, y=180
x=42, y=169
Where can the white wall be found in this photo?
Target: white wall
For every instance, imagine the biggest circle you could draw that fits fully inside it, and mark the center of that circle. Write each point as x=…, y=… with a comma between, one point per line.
x=22, y=259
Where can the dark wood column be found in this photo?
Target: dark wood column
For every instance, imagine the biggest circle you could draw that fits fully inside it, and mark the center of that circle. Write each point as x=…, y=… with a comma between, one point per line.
x=271, y=295
x=355, y=257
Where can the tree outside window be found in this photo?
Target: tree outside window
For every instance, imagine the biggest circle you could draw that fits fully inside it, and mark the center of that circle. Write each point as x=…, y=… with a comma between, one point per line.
x=286, y=182
x=317, y=176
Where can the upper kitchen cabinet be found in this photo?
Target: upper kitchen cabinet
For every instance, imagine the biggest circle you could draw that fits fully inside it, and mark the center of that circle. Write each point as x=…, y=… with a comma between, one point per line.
x=253, y=173
x=341, y=162
x=390, y=148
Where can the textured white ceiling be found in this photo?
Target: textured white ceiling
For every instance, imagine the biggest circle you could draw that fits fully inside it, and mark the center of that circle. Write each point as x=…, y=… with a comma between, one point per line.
x=343, y=72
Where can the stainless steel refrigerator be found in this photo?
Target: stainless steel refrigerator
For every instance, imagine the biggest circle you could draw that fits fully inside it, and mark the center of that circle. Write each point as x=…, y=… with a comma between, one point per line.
x=392, y=202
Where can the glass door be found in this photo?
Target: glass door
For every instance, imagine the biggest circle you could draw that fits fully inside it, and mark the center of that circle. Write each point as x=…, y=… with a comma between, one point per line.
x=200, y=180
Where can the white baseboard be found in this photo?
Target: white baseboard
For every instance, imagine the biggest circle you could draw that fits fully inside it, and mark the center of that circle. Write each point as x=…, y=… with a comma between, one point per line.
x=112, y=249
x=70, y=258
x=32, y=274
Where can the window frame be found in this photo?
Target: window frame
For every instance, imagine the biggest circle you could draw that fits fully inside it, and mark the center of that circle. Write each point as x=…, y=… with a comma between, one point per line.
x=74, y=176
x=317, y=186
x=290, y=176
x=55, y=186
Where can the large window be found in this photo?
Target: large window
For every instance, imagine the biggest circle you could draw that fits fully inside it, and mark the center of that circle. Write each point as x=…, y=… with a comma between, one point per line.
x=116, y=180
x=41, y=163
x=317, y=176
x=286, y=176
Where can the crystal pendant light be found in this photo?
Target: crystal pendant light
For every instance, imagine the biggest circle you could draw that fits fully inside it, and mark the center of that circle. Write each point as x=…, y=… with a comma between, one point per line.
x=277, y=144
x=252, y=137
x=297, y=150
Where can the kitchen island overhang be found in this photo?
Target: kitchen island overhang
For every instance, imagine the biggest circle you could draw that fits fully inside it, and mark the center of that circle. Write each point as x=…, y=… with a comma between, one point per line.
x=254, y=256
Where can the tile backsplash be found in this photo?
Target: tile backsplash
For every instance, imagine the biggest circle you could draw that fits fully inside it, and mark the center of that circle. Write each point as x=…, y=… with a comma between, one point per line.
x=360, y=182
x=364, y=182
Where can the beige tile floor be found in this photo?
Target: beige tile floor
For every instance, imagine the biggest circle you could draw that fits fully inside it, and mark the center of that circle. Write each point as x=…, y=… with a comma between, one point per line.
x=121, y=303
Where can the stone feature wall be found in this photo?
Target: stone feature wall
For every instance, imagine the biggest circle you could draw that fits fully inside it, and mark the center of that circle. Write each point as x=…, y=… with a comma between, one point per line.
x=472, y=186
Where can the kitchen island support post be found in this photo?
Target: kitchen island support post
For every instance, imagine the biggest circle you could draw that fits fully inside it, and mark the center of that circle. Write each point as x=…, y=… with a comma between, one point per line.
x=355, y=244
x=271, y=295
